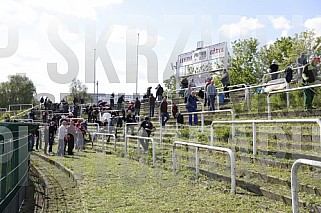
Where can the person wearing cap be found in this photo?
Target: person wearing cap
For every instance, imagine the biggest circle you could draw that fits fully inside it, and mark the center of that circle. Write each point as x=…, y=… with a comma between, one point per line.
x=309, y=76
x=274, y=67
x=302, y=60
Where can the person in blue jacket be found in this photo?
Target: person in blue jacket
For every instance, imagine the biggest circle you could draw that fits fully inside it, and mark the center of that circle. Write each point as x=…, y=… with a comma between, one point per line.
x=192, y=107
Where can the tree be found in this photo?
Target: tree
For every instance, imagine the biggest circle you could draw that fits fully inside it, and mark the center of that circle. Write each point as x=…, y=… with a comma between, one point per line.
x=244, y=63
x=170, y=83
x=78, y=91
x=17, y=90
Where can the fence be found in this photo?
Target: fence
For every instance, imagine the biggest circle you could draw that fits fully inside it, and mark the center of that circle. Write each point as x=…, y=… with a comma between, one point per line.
x=254, y=122
x=197, y=146
x=104, y=134
x=138, y=145
x=14, y=155
x=294, y=180
x=288, y=100
x=20, y=106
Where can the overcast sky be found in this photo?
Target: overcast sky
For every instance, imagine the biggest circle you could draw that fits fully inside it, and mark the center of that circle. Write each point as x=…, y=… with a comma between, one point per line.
x=36, y=34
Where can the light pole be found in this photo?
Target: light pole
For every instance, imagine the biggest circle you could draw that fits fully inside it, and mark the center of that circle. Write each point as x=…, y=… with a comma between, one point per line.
x=95, y=72
x=137, y=64
x=97, y=94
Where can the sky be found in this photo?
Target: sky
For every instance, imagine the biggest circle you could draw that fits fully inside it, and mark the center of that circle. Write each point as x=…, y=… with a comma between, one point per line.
x=53, y=42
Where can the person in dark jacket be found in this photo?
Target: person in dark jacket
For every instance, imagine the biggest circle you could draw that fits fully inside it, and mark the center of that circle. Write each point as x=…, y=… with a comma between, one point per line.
x=159, y=92
x=151, y=102
x=226, y=83
x=147, y=127
x=111, y=100
x=164, y=112
x=192, y=107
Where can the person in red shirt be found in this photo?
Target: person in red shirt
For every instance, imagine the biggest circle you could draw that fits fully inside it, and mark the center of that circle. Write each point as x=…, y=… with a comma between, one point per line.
x=151, y=102
x=163, y=110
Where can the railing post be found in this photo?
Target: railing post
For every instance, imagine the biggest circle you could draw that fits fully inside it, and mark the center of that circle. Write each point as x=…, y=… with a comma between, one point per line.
x=174, y=157
x=138, y=147
x=247, y=97
x=202, y=122
x=294, y=187
x=217, y=100
x=254, y=138
x=212, y=134
x=154, y=151
x=269, y=106
x=126, y=144
x=287, y=96
x=196, y=163
x=233, y=125
x=161, y=134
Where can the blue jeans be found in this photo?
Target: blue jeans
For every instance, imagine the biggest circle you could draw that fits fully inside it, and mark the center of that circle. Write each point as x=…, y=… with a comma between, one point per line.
x=61, y=147
x=190, y=117
x=211, y=100
x=165, y=115
x=151, y=110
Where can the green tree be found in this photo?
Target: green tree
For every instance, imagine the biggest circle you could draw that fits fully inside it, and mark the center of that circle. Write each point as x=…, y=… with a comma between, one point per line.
x=244, y=63
x=78, y=90
x=17, y=90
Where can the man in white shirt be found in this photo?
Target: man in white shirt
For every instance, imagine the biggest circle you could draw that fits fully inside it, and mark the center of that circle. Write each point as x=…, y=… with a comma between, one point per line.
x=62, y=133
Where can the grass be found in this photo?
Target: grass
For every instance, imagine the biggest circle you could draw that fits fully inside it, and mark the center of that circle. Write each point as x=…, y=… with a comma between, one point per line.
x=115, y=184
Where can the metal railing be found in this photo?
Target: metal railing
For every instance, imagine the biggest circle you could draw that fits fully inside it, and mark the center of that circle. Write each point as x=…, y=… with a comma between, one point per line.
x=138, y=145
x=20, y=106
x=102, y=142
x=288, y=101
x=208, y=112
x=281, y=71
x=94, y=124
x=254, y=122
x=294, y=180
x=126, y=127
x=216, y=148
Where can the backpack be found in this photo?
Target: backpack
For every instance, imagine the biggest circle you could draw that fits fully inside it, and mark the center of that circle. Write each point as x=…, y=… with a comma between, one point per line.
x=180, y=118
x=201, y=94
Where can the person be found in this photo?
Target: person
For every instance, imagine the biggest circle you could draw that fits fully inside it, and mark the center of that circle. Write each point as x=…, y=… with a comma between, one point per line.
x=37, y=133
x=137, y=107
x=274, y=67
x=112, y=100
x=187, y=93
x=120, y=100
x=41, y=102
x=72, y=137
x=211, y=92
x=62, y=133
x=192, y=107
x=226, y=83
x=192, y=84
x=151, y=102
x=147, y=127
x=52, y=133
x=164, y=112
x=111, y=126
x=130, y=118
x=301, y=62
x=207, y=83
x=46, y=138
x=309, y=75
x=80, y=133
x=159, y=92
x=174, y=110
x=184, y=83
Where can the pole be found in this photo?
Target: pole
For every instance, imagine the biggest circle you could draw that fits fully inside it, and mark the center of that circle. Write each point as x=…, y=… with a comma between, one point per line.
x=97, y=94
x=137, y=64
x=94, y=73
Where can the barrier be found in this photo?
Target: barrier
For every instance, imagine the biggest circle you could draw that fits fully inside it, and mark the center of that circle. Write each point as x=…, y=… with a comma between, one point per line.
x=20, y=106
x=197, y=146
x=288, y=101
x=209, y=112
x=105, y=134
x=294, y=180
x=138, y=145
x=254, y=122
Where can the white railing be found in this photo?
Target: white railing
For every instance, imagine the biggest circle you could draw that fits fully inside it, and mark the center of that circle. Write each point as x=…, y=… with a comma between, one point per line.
x=294, y=180
x=103, y=141
x=286, y=90
x=138, y=145
x=197, y=146
x=126, y=127
x=281, y=71
x=254, y=122
x=208, y=112
x=24, y=120
x=20, y=106
x=94, y=124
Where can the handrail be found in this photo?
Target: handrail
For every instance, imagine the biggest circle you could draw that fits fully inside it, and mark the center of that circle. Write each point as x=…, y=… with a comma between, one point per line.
x=222, y=149
x=254, y=122
x=209, y=112
x=20, y=105
x=285, y=90
x=138, y=144
x=280, y=71
x=94, y=124
x=294, y=180
x=127, y=124
x=105, y=134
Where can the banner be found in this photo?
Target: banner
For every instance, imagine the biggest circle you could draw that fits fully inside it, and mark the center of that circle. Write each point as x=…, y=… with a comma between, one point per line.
x=217, y=51
x=185, y=59
x=200, y=55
